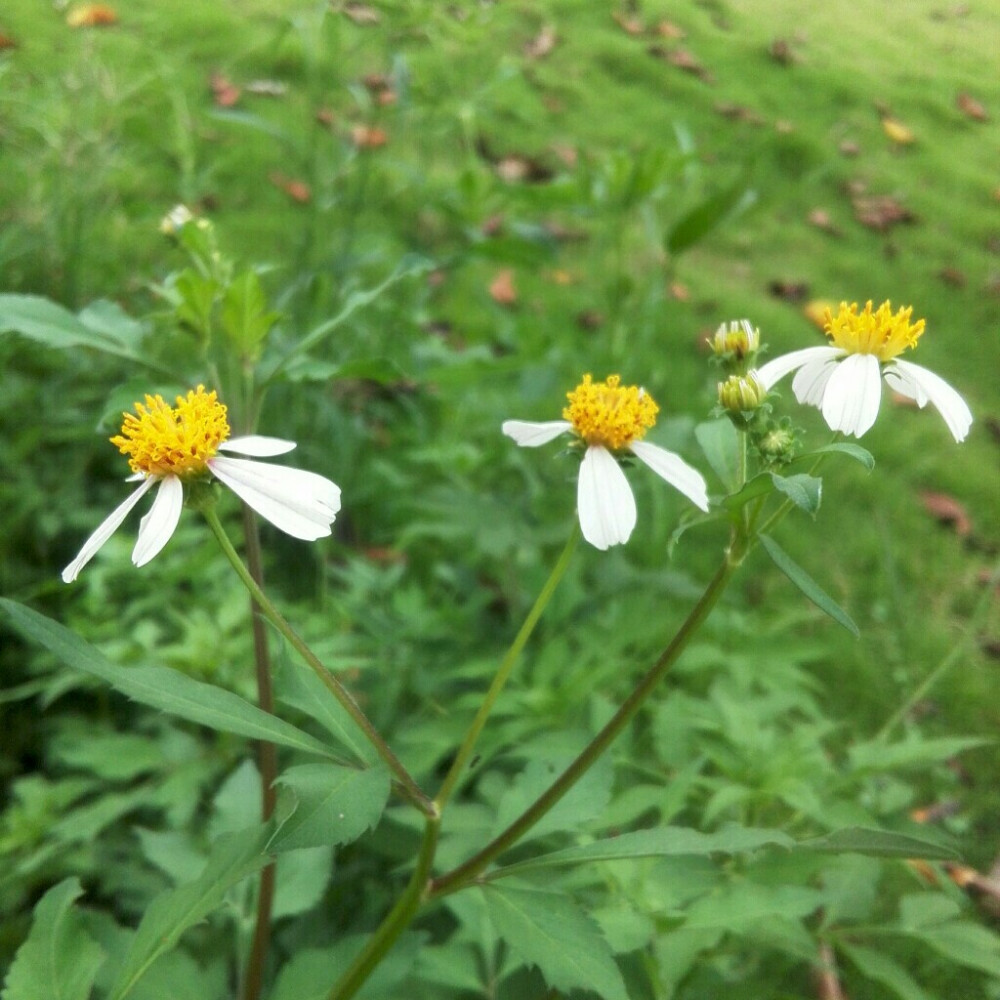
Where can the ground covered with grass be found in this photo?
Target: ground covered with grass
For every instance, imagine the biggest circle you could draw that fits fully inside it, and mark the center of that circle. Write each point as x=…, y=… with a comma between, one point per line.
x=497, y=198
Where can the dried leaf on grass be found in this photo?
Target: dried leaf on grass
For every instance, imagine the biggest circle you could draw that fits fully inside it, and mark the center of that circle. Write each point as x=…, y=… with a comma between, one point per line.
x=738, y=113
x=947, y=510
x=296, y=190
x=542, y=44
x=820, y=218
x=368, y=136
x=971, y=108
x=380, y=88
x=6, y=42
x=361, y=13
x=667, y=29
x=881, y=212
x=629, y=23
x=781, y=52
x=849, y=148
x=953, y=276
x=683, y=60
x=898, y=133
x=224, y=92
x=91, y=15
x=502, y=289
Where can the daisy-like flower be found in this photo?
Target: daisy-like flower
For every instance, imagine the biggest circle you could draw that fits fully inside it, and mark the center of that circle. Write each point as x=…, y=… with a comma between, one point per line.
x=609, y=420
x=170, y=446
x=843, y=379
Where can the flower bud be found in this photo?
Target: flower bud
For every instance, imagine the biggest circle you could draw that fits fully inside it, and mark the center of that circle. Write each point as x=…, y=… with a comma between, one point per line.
x=178, y=217
x=777, y=446
x=742, y=393
x=736, y=339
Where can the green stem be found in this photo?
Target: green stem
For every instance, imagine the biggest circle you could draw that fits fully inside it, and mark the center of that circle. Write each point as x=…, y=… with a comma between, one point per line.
x=267, y=761
x=410, y=788
x=467, y=872
x=457, y=768
x=396, y=922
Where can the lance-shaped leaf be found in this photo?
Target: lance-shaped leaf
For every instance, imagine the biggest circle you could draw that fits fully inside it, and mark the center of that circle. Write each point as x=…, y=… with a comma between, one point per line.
x=808, y=585
x=161, y=687
x=233, y=857
x=59, y=960
x=708, y=214
x=855, y=451
x=880, y=844
x=548, y=930
x=878, y=966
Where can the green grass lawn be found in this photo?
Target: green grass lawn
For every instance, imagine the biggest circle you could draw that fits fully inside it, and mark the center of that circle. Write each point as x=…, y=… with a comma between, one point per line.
x=537, y=157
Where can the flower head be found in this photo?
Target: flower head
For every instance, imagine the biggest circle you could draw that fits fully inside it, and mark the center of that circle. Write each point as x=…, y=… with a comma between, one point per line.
x=844, y=379
x=609, y=420
x=741, y=393
x=173, y=446
x=737, y=339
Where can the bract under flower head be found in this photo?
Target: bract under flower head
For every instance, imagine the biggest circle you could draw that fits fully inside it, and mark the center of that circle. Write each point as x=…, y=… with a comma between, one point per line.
x=880, y=332
x=162, y=440
x=610, y=414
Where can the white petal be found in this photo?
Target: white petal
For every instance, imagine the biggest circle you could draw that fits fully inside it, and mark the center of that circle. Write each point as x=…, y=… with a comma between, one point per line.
x=853, y=393
x=674, y=470
x=810, y=381
x=922, y=385
x=300, y=503
x=105, y=530
x=777, y=369
x=604, y=500
x=257, y=446
x=529, y=434
x=160, y=521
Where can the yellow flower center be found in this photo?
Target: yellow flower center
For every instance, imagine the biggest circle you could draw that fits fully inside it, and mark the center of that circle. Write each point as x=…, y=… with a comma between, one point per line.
x=164, y=440
x=880, y=332
x=610, y=414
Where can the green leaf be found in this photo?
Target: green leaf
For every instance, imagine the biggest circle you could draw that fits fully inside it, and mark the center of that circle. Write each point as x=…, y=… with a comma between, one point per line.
x=807, y=584
x=335, y=804
x=706, y=216
x=719, y=441
x=914, y=752
x=878, y=966
x=855, y=451
x=662, y=842
x=245, y=316
x=759, y=486
x=880, y=844
x=547, y=930
x=301, y=880
x=161, y=687
x=806, y=492
x=966, y=943
x=59, y=960
x=45, y=322
x=303, y=690
x=233, y=857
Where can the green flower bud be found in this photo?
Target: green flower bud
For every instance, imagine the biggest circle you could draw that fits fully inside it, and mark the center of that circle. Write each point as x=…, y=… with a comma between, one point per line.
x=735, y=340
x=742, y=393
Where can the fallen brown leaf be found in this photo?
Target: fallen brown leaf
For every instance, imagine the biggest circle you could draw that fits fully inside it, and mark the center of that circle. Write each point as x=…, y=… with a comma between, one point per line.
x=493, y=226
x=679, y=291
x=971, y=108
x=849, y=148
x=629, y=23
x=881, y=212
x=326, y=116
x=738, y=113
x=361, y=13
x=91, y=15
x=6, y=42
x=380, y=88
x=820, y=218
x=667, y=29
x=790, y=291
x=502, y=289
x=296, y=190
x=368, y=136
x=947, y=510
x=682, y=60
x=516, y=168
x=568, y=154
x=590, y=319
x=781, y=52
x=224, y=91
x=953, y=276
x=542, y=44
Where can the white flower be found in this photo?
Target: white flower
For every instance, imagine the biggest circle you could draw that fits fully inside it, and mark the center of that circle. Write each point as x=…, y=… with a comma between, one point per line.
x=844, y=379
x=610, y=419
x=170, y=445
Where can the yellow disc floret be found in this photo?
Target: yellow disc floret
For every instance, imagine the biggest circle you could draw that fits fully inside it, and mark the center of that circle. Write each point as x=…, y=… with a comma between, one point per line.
x=881, y=332
x=610, y=414
x=164, y=440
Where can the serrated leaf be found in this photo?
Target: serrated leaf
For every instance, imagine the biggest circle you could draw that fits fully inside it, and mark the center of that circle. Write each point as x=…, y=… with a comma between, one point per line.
x=710, y=213
x=232, y=858
x=59, y=960
x=719, y=440
x=547, y=930
x=244, y=315
x=807, y=584
x=878, y=966
x=915, y=751
x=662, y=842
x=48, y=323
x=805, y=491
x=161, y=687
x=880, y=844
x=855, y=451
x=335, y=805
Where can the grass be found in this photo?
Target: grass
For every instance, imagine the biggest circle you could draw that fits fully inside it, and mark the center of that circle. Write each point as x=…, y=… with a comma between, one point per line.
x=105, y=129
